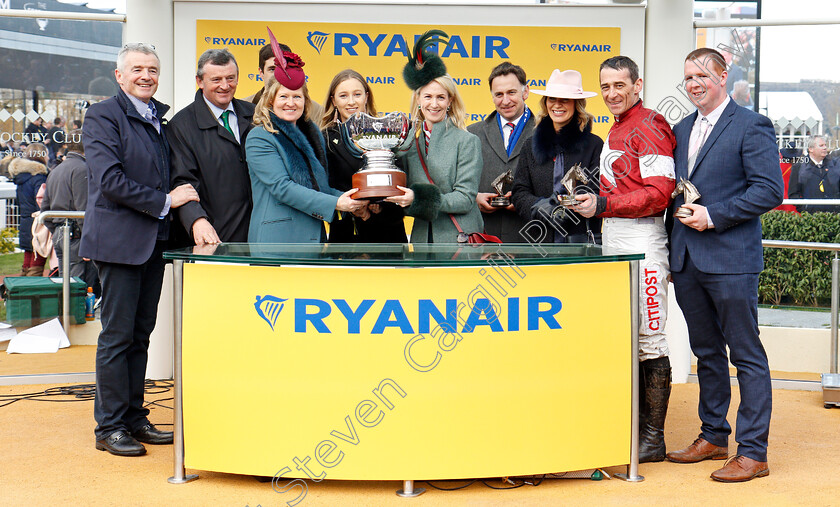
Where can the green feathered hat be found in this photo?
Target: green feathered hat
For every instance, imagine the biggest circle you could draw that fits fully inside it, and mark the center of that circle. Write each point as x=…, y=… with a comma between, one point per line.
x=423, y=66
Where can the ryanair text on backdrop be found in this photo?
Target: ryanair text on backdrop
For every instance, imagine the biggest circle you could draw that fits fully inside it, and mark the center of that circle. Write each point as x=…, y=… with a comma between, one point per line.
x=309, y=314
x=475, y=46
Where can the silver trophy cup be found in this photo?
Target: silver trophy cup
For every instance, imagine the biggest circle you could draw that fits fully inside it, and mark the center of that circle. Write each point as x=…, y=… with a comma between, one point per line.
x=377, y=137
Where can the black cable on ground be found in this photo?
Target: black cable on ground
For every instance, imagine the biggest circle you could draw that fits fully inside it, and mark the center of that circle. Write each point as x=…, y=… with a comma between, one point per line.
x=468, y=484
x=84, y=392
x=513, y=485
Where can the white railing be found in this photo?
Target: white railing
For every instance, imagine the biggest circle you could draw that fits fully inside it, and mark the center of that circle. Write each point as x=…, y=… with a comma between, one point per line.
x=65, y=261
x=835, y=269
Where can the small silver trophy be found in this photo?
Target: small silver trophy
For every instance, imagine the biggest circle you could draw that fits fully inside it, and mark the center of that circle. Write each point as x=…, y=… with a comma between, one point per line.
x=570, y=180
x=691, y=195
x=377, y=137
x=500, y=201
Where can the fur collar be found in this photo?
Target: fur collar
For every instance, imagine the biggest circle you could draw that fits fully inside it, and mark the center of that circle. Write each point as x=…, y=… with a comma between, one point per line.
x=304, y=147
x=23, y=165
x=547, y=143
x=316, y=140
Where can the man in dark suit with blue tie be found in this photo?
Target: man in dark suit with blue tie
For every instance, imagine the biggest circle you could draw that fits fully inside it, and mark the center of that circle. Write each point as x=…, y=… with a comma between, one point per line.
x=125, y=232
x=502, y=134
x=730, y=154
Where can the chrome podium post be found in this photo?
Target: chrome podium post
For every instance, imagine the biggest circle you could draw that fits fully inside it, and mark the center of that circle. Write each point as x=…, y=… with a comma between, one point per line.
x=65, y=278
x=835, y=299
x=65, y=261
x=180, y=475
x=632, y=474
x=408, y=490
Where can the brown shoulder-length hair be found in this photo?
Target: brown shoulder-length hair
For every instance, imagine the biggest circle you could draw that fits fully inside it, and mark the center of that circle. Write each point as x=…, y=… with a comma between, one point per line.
x=266, y=105
x=328, y=118
x=582, y=116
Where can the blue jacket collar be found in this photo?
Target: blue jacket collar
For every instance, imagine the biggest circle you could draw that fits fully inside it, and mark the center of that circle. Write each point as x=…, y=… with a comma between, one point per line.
x=131, y=111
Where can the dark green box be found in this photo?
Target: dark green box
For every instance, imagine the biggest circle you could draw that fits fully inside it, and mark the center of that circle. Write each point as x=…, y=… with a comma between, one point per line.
x=35, y=299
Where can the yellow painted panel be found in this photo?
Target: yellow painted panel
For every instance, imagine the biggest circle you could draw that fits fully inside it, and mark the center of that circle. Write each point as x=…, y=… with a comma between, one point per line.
x=379, y=52
x=543, y=391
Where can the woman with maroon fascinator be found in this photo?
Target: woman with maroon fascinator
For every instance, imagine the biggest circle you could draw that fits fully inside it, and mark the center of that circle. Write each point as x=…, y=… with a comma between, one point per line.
x=287, y=163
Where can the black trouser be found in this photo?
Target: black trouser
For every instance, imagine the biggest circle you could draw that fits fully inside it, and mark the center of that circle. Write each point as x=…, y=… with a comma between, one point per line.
x=130, y=296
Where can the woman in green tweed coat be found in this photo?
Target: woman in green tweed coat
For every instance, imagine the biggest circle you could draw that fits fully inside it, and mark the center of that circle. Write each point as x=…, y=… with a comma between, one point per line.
x=453, y=158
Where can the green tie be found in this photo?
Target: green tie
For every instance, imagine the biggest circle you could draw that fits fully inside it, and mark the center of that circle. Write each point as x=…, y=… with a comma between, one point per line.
x=225, y=122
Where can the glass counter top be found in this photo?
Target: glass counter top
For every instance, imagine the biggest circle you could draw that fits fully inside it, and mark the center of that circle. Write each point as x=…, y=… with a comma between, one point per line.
x=398, y=254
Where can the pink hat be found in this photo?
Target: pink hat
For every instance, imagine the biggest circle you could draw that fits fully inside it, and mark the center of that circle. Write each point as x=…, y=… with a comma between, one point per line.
x=565, y=85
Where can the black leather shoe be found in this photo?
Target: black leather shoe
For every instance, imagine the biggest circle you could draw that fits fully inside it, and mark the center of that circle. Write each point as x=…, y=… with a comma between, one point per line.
x=120, y=443
x=148, y=434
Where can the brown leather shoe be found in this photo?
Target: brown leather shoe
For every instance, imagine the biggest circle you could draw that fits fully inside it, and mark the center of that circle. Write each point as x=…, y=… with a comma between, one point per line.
x=698, y=451
x=740, y=469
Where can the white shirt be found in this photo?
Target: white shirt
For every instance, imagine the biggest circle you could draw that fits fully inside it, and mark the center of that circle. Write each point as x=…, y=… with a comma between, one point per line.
x=712, y=118
x=217, y=112
x=506, y=130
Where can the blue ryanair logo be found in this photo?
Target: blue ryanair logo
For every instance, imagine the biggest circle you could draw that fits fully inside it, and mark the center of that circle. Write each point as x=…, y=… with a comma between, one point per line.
x=317, y=40
x=372, y=316
x=394, y=44
x=268, y=308
x=235, y=41
x=585, y=48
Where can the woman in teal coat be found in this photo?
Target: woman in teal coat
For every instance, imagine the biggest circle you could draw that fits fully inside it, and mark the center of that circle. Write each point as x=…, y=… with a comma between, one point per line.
x=453, y=159
x=287, y=165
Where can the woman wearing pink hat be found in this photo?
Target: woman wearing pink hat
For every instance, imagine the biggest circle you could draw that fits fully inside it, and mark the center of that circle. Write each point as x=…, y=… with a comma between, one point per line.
x=562, y=139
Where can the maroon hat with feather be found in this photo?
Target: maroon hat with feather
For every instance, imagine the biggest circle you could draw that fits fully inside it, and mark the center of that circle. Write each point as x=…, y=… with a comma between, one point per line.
x=287, y=66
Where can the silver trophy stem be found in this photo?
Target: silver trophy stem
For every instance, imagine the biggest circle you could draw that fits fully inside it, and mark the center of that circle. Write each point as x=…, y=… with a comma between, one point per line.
x=377, y=160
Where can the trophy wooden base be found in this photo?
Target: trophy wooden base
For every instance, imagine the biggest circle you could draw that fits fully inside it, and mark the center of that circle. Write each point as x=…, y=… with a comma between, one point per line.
x=500, y=202
x=568, y=200
x=683, y=212
x=378, y=183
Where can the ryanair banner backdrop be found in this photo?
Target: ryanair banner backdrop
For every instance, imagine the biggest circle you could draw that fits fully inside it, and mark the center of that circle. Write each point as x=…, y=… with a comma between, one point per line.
x=418, y=373
x=379, y=52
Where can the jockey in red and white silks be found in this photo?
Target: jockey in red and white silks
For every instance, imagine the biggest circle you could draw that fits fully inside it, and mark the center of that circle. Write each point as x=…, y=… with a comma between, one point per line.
x=637, y=179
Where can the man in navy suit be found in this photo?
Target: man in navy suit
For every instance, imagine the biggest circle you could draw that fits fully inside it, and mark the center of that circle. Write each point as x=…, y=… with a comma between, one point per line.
x=125, y=232
x=729, y=153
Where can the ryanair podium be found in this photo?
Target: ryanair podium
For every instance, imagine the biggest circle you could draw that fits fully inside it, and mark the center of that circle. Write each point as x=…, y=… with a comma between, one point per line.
x=404, y=362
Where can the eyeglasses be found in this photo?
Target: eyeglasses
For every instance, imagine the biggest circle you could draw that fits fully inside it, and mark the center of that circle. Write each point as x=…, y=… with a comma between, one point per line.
x=139, y=45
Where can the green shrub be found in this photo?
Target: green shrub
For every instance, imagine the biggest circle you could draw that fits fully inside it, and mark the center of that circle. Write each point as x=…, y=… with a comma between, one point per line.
x=802, y=277
x=7, y=240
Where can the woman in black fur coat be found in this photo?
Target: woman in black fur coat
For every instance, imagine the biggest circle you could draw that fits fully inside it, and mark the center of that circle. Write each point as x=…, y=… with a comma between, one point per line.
x=562, y=138
x=349, y=93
